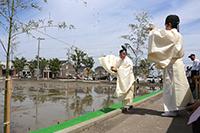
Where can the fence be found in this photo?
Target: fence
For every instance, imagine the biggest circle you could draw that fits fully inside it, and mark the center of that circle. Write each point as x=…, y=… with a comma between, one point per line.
x=197, y=86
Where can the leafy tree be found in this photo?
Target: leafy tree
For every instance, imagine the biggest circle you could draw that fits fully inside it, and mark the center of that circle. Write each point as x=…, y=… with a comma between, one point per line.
x=32, y=66
x=136, y=39
x=54, y=65
x=80, y=59
x=43, y=63
x=19, y=64
x=88, y=62
x=77, y=59
x=144, y=67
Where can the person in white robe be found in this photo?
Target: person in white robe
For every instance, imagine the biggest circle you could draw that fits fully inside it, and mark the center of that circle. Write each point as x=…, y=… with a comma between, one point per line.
x=166, y=51
x=122, y=67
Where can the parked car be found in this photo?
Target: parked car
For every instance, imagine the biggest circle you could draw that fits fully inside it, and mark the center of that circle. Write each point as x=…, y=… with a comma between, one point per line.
x=153, y=79
x=89, y=78
x=70, y=77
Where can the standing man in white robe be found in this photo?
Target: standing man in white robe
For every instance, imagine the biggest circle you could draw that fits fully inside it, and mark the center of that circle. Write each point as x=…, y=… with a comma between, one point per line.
x=166, y=50
x=123, y=68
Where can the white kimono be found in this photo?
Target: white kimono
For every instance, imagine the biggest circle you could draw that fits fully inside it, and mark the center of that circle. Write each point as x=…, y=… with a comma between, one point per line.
x=166, y=50
x=125, y=77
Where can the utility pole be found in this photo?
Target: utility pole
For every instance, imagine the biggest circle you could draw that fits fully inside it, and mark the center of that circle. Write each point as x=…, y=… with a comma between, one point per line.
x=38, y=58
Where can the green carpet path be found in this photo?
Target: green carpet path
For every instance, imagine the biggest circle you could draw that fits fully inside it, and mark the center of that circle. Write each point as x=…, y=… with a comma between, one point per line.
x=91, y=115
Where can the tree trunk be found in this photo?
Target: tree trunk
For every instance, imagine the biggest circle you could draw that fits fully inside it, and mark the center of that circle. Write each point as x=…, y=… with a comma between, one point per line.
x=8, y=81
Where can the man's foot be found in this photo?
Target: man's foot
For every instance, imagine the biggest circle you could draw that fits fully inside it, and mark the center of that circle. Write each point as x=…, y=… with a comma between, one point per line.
x=130, y=107
x=126, y=109
x=170, y=114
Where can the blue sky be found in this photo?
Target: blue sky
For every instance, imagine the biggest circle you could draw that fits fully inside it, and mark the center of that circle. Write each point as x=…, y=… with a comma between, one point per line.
x=100, y=23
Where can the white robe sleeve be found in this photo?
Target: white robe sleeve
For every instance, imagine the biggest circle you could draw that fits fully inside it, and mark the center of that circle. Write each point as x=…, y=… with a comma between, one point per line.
x=165, y=46
x=108, y=61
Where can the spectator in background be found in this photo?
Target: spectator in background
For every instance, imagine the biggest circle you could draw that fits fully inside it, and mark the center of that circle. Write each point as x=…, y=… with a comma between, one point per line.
x=188, y=75
x=195, y=66
x=188, y=71
x=194, y=71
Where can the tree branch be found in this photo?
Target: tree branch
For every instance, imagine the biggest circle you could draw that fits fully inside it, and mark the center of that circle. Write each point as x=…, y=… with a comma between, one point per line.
x=8, y=8
x=4, y=26
x=6, y=17
x=4, y=48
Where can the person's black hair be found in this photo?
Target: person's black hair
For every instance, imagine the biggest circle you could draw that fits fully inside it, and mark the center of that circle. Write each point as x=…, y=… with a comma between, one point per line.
x=174, y=20
x=191, y=55
x=123, y=50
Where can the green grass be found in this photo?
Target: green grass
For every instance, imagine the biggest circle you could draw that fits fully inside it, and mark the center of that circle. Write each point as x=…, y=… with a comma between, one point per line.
x=90, y=115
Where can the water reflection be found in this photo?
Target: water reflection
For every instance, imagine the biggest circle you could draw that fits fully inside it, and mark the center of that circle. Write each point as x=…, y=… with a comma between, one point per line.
x=40, y=104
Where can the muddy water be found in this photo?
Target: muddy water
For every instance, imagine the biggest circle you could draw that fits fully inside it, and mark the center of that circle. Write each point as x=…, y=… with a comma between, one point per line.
x=40, y=104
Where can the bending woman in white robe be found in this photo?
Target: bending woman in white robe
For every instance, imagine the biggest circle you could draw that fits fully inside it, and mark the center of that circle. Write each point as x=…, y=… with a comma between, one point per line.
x=123, y=68
x=166, y=50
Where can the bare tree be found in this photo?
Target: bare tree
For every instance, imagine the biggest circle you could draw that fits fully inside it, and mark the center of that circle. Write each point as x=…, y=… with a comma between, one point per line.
x=12, y=26
x=136, y=39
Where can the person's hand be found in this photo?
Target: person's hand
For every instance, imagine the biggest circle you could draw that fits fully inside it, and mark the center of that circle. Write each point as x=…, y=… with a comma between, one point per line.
x=113, y=69
x=151, y=27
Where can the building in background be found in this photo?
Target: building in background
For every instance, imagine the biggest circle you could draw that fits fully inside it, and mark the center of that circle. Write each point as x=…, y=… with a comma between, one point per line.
x=67, y=71
x=101, y=73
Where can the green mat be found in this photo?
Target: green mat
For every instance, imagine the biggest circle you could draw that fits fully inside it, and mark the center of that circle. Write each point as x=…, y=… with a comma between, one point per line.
x=90, y=115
